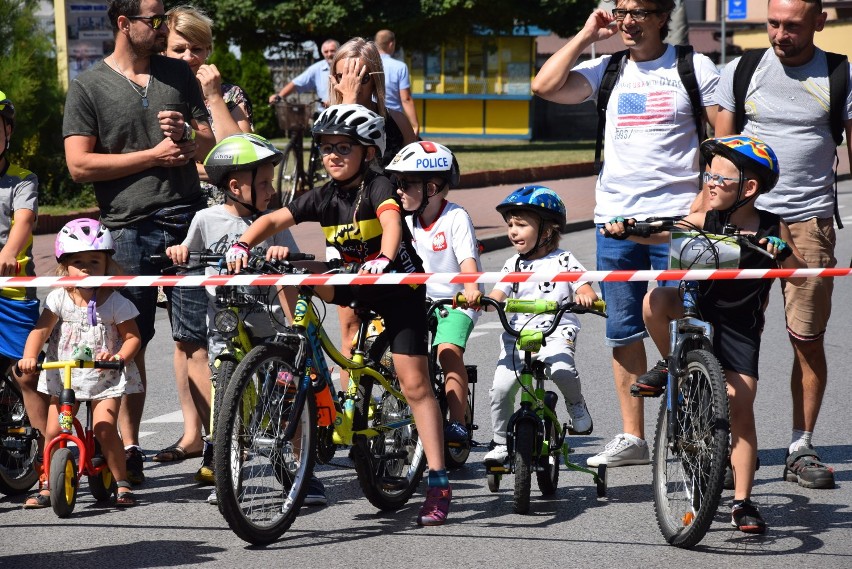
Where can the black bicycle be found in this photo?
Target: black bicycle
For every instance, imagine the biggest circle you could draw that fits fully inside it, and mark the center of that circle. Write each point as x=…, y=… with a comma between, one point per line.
x=294, y=177
x=18, y=439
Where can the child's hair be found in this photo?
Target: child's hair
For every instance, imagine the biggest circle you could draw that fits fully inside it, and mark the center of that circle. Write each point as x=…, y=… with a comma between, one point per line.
x=551, y=232
x=360, y=48
x=112, y=267
x=545, y=204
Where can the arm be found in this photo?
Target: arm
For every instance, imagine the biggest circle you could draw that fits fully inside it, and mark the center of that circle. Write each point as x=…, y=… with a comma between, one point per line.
x=471, y=290
x=36, y=340
x=391, y=221
x=725, y=123
x=710, y=115
x=585, y=295
x=555, y=81
x=410, y=111
x=131, y=340
x=86, y=165
x=19, y=236
x=226, y=122
x=261, y=229
x=408, y=134
x=285, y=92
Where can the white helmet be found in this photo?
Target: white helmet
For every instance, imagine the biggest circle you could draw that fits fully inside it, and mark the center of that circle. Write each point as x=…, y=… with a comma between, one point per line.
x=355, y=121
x=427, y=158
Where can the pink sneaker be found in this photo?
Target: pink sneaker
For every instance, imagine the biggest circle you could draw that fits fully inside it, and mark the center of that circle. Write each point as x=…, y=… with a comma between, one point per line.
x=436, y=507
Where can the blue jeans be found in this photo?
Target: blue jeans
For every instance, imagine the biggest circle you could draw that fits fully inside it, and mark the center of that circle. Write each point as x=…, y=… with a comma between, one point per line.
x=624, y=299
x=134, y=244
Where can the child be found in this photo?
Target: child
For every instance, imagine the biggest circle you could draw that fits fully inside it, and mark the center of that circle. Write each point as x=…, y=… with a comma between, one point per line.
x=360, y=217
x=242, y=167
x=534, y=216
x=18, y=306
x=739, y=169
x=101, y=319
x=444, y=238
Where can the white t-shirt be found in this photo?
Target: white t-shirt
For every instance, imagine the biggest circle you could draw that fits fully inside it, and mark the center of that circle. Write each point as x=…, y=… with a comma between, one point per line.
x=651, y=145
x=443, y=246
x=557, y=261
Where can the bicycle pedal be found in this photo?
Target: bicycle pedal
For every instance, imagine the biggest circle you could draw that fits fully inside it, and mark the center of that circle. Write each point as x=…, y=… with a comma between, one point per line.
x=394, y=483
x=457, y=445
x=496, y=468
x=640, y=391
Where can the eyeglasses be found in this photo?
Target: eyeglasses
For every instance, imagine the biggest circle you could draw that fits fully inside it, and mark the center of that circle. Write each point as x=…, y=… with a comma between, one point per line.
x=637, y=15
x=341, y=148
x=154, y=21
x=717, y=179
x=364, y=80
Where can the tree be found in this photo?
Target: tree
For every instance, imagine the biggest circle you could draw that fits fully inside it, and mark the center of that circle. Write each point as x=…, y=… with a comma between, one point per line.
x=256, y=78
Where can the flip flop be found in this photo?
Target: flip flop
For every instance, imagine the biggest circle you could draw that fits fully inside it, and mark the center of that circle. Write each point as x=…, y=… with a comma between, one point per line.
x=175, y=453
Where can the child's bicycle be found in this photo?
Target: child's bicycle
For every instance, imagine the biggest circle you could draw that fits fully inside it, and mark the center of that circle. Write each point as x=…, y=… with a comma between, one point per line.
x=63, y=471
x=266, y=440
x=18, y=439
x=293, y=178
x=534, y=437
x=691, y=446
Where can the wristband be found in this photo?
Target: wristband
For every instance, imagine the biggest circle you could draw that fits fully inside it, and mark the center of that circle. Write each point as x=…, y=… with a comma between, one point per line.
x=188, y=132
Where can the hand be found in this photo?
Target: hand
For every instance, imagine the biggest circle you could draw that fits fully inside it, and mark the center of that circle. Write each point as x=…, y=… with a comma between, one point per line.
x=586, y=300
x=237, y=256
x=375, y=266
x=274, y=99
x=777, y=247
x=277, y=253
x=600, y=25
x=615, y=228
x=8, y=264
x=28, y=365
x=172, y=124
x=171, y=154
x=350, y=84
x=179, y=254
x=468, y=299
x=210, y=80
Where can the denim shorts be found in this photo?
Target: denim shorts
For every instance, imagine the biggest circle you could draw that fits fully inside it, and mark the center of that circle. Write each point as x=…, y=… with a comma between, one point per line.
x=133, y=245
x=624, y=299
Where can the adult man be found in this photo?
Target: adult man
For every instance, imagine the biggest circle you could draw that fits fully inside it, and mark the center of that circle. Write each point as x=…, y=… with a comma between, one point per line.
x=314, y=78
x=140, y=159
x=787, y=105
x=650, y=169
x=397, y=82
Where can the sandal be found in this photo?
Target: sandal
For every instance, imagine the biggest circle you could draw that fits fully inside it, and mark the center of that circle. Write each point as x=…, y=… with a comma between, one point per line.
x=804, y=466
x=42, y=498
x=124, y=497
x=175, y=453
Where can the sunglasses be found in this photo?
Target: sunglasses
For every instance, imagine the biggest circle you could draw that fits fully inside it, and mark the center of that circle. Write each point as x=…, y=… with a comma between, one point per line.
x=154, y=21
x=716, y=179
x=364, y=80
x=341, y=148
x=428, y=187
x=637, y=15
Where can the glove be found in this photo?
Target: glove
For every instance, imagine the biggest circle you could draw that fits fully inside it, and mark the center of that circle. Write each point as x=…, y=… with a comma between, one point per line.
x=376, y=266
x=784, y=250
x=620, y=236
x=238, y=250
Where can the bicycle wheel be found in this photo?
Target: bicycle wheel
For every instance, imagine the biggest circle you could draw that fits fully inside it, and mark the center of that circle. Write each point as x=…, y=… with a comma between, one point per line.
x=17, y=452
x=102, y=485
x=456, y=457
x=689, y=470
x=547, y=473
x=524, y=442
x=287, y=180
x=63, y=482
x=261, y=479
x=221, y=377
x=318, y=175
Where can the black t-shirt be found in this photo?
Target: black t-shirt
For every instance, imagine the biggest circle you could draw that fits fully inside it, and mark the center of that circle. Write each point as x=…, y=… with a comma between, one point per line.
x=357, y=235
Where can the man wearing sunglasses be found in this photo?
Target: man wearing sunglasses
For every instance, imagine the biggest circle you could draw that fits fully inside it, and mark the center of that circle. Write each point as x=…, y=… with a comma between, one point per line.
x=313, y=79
x=134, y=124
x=650, y=168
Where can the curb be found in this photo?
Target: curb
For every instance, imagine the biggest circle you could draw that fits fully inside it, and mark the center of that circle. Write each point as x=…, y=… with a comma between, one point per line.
x=52, y=223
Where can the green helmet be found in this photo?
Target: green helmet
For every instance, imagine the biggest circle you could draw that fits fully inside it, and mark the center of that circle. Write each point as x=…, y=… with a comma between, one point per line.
x=242, y=152
x=7, y=109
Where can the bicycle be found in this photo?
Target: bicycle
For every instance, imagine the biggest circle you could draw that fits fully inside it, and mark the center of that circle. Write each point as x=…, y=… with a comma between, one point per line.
x=692, y=433
x=62, y=468
x=18, y=439
x=293, y=178
x=267, y=425
x=534, y=437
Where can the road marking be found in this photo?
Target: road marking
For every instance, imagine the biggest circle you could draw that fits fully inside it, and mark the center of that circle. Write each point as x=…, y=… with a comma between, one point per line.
x=173, y=417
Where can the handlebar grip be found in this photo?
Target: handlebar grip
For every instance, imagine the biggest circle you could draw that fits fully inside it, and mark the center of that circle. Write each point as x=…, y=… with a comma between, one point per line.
x=297, y=256
x=160, y=259
x=530, y=306
x=109, y=364
x=599, y=305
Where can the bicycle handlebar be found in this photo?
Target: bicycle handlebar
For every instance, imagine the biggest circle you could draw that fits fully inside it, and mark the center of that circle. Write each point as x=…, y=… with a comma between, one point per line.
x=97, y=364
x=203, y=259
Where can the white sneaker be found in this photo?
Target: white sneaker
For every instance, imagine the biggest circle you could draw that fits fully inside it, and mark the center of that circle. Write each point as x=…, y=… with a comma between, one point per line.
x=621, y=451
x=581, y=421
x=497, y=455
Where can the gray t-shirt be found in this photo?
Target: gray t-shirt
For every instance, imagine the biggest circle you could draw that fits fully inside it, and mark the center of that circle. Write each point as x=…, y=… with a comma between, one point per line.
x=788, y=108
x=18, y=190
x=102, y=103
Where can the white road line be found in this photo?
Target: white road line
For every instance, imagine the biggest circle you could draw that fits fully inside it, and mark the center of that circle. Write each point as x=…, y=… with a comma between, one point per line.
x=173, y=417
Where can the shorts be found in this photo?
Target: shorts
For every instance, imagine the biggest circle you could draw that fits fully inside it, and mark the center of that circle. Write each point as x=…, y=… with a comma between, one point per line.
x=400, y=306
x=454, y=328
x=808, y=306
x=133, y=245
x=624, y=299
x=17, y=319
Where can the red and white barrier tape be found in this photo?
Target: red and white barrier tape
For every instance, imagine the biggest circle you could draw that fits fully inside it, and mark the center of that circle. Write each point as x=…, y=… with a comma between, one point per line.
x=420, y=278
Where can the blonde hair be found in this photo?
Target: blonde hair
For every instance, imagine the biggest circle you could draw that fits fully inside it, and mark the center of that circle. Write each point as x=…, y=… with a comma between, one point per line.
x=192, y=23
x=112, y=267
x=367, y=52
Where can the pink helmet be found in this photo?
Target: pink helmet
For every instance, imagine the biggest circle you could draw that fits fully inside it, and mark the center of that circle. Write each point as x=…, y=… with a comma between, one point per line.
x=82, y=235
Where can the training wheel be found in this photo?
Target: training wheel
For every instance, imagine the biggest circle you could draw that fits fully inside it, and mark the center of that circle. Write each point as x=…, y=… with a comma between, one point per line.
x=494, y=482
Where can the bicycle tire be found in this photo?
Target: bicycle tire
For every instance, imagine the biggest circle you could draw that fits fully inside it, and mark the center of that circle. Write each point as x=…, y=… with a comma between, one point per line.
x=547, y=473
x=221, y=377
x=289, y=176
x=17, y=454
x=102, y=485
x=456, y=457
x=524, y=443
x=261, y=481
x=689, y=471
x=63, y=482
x=317, y=174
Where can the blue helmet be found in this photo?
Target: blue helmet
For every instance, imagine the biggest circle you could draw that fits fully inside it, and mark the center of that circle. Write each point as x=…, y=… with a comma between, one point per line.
x=537, y=199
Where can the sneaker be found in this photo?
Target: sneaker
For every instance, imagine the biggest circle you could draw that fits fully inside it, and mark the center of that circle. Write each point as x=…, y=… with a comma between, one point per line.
x=804, y=466
x=581, y=421
x=434, y=510
x=204, y=475
x=621, y=451
x=134, y=457
x=212, y=499
x=653, y=382
x=746, y=517
x=316, y=493
x=496, y=456
x=455, y=434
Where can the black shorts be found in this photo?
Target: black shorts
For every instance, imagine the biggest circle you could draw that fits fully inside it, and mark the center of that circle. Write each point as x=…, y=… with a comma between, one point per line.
x=736, y=348
x=401, y=307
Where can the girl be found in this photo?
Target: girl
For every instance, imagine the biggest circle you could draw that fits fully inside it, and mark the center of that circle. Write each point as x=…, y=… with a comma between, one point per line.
x=98, y=318
x=361, y=219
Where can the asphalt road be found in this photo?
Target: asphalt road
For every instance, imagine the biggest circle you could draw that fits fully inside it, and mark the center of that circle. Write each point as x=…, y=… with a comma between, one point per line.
x=174, y=527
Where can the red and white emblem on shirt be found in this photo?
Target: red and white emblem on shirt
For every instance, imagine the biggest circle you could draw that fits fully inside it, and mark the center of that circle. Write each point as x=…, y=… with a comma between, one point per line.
x=439, y=242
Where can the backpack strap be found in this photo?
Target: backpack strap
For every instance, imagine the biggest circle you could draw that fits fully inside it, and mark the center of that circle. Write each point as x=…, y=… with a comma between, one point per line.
x=686, y=71
x=608, y=81
x=742, y=77
x=838, y=84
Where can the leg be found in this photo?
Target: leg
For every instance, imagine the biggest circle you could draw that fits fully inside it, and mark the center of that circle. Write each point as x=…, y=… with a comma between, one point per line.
x=51, y=429
x=559, y=354
x=35, y=403
x=628, y=363
x=105, y=417
x=451, y=358
x=742, y=390
x=807, y=382
x=414, y=381
x=348, y=328
x=132, y=407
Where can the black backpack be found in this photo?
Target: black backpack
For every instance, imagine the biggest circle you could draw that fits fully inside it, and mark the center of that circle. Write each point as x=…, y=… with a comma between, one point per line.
x=838, y=76
x=610, y=77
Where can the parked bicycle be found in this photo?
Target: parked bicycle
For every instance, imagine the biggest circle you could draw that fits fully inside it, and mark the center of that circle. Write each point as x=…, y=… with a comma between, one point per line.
x=265, y=448
x=294, y=177
x=18, y=439
x=535, y=440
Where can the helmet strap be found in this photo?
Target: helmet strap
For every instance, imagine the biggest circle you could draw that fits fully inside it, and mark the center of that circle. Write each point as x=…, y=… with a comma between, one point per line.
x=425, y=201
x=255, y=212
x=740, y=201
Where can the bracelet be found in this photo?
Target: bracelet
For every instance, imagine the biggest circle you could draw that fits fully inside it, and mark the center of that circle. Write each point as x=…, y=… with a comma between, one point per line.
x=188, y=132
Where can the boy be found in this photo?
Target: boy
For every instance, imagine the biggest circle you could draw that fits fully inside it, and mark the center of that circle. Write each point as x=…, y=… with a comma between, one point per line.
x=739, y=169
x=443, y=235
